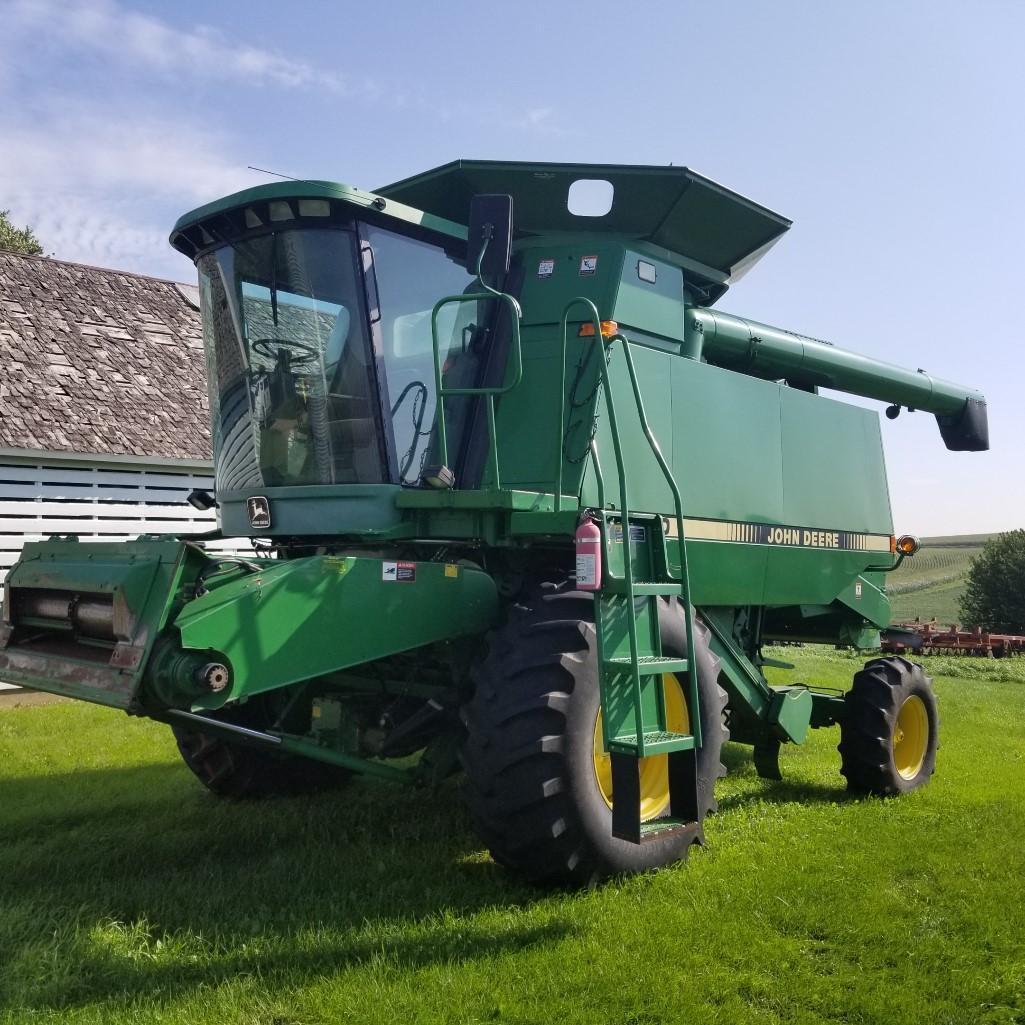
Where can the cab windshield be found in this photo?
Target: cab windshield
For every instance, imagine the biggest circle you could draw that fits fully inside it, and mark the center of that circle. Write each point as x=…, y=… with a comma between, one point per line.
x=321, y=365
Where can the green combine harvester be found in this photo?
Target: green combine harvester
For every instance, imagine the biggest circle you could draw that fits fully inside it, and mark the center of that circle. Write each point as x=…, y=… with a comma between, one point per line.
x=522, y=500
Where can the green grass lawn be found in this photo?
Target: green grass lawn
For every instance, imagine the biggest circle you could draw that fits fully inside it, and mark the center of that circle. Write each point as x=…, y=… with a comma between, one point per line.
x=128, y=894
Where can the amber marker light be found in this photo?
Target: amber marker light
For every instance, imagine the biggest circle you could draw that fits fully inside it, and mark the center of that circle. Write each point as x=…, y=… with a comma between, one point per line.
x=908, y=544
x=608, y=328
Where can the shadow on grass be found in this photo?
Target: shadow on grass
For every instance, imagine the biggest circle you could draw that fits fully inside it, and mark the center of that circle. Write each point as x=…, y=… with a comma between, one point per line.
x=738, y=761
x=736, y=758
x=302, y=885
x=788, y=792
x=101, y=973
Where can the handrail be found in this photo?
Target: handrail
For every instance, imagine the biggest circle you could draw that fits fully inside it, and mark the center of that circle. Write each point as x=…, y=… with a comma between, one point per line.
x=667, y=473
x=599, y=480
x=560, y=436
x=489, y=392
x=516, y=312
x=624, y=495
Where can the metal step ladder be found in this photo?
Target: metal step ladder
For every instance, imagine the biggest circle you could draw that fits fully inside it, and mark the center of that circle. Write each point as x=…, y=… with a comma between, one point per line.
x=637, y=576
x=632, y=670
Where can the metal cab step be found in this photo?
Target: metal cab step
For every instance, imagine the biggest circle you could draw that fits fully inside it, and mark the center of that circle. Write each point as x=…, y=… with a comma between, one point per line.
x=665, y=588
x=656, y=742
x=632, y=676
x=647, y=665
x=626, y=803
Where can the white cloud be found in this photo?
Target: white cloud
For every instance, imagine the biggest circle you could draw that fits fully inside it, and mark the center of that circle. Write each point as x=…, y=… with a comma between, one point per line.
x=74, y=228
x=125, y=36
x=539, y=121
x=104, y=187
x=128, y=150
x=100, y=175
x=538, y=116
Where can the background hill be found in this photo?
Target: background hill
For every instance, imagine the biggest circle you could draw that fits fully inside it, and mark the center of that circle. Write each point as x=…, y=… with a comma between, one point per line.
x=930, y=584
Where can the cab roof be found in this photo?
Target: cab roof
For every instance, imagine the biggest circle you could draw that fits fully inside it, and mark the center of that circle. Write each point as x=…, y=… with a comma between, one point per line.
x=671, y=207
x=290, y=203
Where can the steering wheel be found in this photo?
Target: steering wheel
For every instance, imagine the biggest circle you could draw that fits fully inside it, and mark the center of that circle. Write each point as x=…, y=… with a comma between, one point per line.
x=305, y=354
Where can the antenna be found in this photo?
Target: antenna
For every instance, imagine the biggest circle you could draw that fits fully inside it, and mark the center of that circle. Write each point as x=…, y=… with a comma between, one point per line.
x=279, y=174
x=377, y=203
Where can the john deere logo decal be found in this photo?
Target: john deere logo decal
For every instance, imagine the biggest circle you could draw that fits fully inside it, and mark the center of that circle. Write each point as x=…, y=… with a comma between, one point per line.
x=778, y=535
x=259, y=511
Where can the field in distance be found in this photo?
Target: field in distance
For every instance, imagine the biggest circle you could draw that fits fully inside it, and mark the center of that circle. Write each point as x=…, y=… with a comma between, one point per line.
x=930, y=585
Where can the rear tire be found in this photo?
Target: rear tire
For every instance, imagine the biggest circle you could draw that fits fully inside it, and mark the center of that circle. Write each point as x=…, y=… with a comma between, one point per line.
x=890, y=731
x=240, y=772
x=531, y=779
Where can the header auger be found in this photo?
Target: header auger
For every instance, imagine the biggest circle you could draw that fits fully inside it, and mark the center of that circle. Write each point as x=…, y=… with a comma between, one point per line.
x=522, y=500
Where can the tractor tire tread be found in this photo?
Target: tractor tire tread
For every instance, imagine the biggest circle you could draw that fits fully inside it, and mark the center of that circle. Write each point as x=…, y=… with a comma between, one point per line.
x=519, y=786
x=871, y=708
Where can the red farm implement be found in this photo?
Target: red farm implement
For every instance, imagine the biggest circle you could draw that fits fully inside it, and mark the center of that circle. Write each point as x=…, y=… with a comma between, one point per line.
x=932, y=639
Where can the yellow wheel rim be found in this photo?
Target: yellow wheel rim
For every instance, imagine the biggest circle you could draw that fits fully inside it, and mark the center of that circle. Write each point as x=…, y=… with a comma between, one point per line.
x=911, y=737
x=654, y=770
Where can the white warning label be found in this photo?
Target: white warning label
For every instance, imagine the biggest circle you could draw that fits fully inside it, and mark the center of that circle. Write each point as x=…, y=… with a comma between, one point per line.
x=587, y=571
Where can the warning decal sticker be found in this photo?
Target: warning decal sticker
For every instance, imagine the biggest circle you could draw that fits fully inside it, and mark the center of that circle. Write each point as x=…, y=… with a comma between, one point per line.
x=638, y=534
x=588, y=265
x=398, y=572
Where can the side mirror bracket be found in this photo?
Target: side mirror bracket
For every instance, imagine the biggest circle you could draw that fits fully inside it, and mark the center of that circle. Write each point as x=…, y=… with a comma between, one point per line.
x=489, y=236
x=202, y=500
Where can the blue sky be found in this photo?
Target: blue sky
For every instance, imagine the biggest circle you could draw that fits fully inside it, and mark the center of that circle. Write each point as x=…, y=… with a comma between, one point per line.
x=890, y=132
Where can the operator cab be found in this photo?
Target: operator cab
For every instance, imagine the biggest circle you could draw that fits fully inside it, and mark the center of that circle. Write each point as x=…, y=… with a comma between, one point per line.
x=317, y=328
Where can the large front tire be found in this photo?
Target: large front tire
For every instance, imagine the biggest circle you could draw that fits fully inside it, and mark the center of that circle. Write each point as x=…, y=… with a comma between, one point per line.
x=890, y=731
x=534, y=784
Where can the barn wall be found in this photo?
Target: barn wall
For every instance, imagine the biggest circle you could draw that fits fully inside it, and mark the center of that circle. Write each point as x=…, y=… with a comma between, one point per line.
x=98, y=500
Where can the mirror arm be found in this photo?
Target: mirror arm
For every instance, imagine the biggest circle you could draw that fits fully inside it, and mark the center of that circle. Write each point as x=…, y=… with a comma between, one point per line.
x=489, y=231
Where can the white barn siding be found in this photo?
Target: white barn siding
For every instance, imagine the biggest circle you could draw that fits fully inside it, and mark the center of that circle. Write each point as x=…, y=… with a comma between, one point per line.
x=98, y=503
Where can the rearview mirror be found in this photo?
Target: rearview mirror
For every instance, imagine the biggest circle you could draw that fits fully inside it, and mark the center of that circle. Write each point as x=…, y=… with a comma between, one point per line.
x=490, y=226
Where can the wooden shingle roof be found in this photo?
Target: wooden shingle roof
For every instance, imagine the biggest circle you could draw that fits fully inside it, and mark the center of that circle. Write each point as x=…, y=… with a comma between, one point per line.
x=99, y=361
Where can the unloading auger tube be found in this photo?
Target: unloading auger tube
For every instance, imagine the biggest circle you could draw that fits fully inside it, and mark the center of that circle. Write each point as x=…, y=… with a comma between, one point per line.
x=774, y=353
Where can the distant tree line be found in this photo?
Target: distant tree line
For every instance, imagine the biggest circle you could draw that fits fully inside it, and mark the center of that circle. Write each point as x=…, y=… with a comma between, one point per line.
x=994, y=596
x=18, y=240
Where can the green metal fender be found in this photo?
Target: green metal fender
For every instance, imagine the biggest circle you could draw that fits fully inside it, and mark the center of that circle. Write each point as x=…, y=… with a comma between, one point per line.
x=302, y=618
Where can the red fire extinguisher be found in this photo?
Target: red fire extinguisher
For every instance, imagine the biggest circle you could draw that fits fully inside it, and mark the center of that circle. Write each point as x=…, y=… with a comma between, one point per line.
x=588, y=546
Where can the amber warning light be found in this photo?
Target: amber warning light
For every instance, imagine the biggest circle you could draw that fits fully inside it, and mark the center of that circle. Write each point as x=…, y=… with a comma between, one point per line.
x=608, y=329
x=907, y=544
